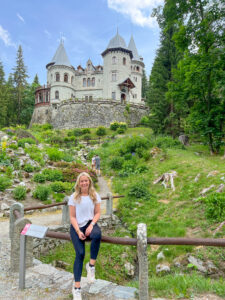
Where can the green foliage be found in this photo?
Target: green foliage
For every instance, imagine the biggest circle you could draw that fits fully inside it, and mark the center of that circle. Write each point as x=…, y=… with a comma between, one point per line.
x=114, y=125
x=215, y=206
x=52, y=174
x=116, y=163
x=167, y=142
x=67, y=157
x=28, y=168
x=87, y=137
x=101, y=131
x=13, y=146
x=21, y=142
x=139, y=190
x=131, y=144
x=42, y=192
x=59, y=186
x=54, y=154
x=19, y=193
x=39, y=177
x=77, y=132
x=120, y=130
x=85, y=130
x=5, y=182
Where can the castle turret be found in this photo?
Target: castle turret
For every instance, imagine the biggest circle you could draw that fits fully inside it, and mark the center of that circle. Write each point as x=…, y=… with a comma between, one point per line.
x=137, y=67
x=60, y=76
x=117, y=70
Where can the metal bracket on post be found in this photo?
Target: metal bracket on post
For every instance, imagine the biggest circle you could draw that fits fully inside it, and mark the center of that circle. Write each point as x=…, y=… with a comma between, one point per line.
x=109, y=204
x=143, y=261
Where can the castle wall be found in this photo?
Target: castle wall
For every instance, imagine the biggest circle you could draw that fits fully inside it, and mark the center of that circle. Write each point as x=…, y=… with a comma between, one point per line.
x=81, y=114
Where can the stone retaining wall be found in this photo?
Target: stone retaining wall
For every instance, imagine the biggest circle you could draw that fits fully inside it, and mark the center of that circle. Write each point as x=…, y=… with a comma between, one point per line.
x=83, y=114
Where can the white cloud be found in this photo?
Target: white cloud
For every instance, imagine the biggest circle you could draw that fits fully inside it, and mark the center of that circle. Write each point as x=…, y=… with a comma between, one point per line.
x=139, y=11
x=47, y=33
x=20, y=17
x=4, y=35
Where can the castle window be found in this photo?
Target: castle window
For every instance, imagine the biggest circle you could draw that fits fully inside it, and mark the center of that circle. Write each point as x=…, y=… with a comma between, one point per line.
x=135, y=78
x=72, y=80
x=86, y=98
x=65, y=77
x=56, y=94
x=89, y=82
x=114, y=76
x=114, y=95
x=40, y=98
x=57, y=77
x=131, y=68
x=46, y=97
x=124, y=61
x=138, y=69
x=90, y=98
x=51, y=77
x=93, y=81
x=84, y=82
x=113, y=60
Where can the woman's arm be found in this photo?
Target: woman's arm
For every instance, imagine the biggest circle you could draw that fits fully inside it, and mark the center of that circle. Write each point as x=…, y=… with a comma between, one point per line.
x=97, y=213
x=74, y=223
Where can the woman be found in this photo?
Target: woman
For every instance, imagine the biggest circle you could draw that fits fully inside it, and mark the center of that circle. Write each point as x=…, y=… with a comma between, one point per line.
x=84, y=206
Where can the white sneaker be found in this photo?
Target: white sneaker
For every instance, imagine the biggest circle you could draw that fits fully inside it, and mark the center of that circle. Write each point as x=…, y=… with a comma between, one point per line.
x=90, y=273
x=76, y=294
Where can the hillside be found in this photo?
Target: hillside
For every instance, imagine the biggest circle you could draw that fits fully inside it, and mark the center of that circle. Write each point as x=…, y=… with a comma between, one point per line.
x=132, y=161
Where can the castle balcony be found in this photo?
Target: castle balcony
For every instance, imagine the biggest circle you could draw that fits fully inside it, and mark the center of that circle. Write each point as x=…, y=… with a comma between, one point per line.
x=42, y=96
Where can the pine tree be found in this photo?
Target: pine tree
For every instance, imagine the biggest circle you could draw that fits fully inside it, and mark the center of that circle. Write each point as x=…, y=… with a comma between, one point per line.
x=3, y=100
x=144, y=85
x=36, y=80
x=20, y=76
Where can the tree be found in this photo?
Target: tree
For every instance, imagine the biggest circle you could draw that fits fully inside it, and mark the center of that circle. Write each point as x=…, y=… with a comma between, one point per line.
x=3, y=100
x=201, y=86
x=144, y=85
x=36, y=80
x=20, y=76
x=163, y=118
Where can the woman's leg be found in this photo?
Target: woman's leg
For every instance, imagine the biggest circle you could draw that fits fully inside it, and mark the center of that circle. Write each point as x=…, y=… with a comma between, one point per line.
x=95, y=237
x=79, y=247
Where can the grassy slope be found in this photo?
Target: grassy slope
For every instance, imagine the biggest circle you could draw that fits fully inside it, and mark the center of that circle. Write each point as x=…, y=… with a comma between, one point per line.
x=179, y=215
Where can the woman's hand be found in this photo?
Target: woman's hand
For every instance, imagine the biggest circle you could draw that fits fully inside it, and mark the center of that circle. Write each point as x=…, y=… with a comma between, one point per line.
x=89, y=230
x=81, y=235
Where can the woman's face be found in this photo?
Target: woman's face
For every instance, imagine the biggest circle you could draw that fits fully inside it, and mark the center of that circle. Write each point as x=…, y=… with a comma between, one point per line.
x=84, y=183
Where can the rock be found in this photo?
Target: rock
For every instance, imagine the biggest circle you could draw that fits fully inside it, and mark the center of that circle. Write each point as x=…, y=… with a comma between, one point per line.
x=129, y=268
x=212, y=173
x=197, y=263
x=211, y=268
x=162, y=268
x=204, y=191
x=160, y=255
x=197, y=177
x=4, y=206
x=184, y=139
x=22, y=183
x=220, y=188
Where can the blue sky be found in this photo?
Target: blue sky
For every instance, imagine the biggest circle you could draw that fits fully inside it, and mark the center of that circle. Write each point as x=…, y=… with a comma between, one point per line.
x=86, y=27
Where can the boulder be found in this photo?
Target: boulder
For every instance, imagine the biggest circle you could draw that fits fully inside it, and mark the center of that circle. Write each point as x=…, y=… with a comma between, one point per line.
x=184, y=139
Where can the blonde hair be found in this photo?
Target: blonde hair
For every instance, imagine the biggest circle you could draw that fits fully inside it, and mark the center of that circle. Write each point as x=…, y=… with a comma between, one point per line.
x=91, y=189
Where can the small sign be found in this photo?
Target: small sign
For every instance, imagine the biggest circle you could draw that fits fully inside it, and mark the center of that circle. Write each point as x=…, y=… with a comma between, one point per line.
x=34, y=230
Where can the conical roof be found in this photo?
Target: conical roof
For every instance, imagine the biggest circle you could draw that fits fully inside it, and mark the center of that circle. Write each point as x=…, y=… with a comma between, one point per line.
x=117, y=42
x=60, y=57
x=133, y=48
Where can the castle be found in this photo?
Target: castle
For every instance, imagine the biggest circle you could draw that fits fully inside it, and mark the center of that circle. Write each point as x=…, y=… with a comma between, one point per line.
x=94, y=95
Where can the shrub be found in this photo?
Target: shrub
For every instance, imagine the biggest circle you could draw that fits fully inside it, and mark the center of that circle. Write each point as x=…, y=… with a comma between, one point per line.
x=123, y=125
x=13, y=146
x=21, y=142
x=54, y=154
x=85, y=130
x=87, y=137
x=77, y=132
x=139, y=190
x=57, y=187
x=42, y=192
x=5, y=182
x=101, y=131
x=215, y=206
x=131, y=144
x=39, y=177
x=120, y=130
x=116, y=163
x=114, y=126
x=19, y=193
x=168, y=142
x=28, y=168
x=67, y=157
x=46, y=126
x=52, y=174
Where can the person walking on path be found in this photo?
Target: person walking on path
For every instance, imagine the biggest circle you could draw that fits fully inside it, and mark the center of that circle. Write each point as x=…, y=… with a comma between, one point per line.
x=93, y=163
x=97, y=165
x=84, y=207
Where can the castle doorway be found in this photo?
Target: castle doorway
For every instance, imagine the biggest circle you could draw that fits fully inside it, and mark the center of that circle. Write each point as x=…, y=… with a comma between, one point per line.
x=123, y=98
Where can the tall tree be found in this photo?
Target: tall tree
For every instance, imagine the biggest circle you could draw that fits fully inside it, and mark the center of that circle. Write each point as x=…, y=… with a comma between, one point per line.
x=3, y=100
x=36, y=80
x=162, y=117
x=200, y=76
x=144, y=85
x=20, y=81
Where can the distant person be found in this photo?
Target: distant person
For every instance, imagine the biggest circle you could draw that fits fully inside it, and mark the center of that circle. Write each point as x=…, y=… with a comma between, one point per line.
x=84, y=206
x=93, y=163
x=97, y=165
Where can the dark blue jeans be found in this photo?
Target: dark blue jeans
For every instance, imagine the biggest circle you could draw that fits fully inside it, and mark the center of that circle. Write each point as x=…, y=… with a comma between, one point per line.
x=79, y=246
